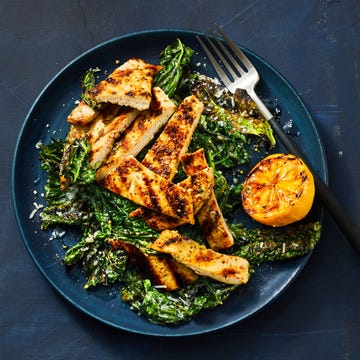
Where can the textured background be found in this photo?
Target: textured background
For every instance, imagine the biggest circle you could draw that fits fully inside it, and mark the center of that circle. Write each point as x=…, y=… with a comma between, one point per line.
x=315, y=45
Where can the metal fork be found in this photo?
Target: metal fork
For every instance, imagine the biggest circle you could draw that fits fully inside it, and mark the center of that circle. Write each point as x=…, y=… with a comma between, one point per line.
x=245, y=77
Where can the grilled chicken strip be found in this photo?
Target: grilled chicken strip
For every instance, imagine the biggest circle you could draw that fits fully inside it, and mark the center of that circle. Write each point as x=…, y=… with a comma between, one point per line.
x=210, y=217
x=128, y=85
x=213, y=226
x=97, y=128
x=157, y=267
x=104, y=133
x=137, y=183
x=164, y=156
x=194, y=162
x=76, y=132
x=140, y=132
x=162, y=273
x=200, y=184
x=185, y=274
x=228, y=269
x=83, y=114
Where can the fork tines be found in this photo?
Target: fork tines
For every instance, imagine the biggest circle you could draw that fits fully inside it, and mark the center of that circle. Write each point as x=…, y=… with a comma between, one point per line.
x=235, y=68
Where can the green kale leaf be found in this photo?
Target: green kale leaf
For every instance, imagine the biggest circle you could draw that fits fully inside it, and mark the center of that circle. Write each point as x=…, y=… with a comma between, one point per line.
x=174, y=59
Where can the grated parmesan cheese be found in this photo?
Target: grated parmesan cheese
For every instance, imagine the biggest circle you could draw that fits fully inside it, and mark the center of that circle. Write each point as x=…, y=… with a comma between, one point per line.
x=35, y=210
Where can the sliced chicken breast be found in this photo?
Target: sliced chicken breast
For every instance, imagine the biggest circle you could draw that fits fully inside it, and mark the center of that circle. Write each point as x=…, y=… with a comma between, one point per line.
x=141, y=131
x=98, y=126
x=200, y=184
x=163, y=157
x=157, y=267
x=102, y=145
x=210, y=217
x=228, y=269
x=83, y=114
x=137, y=183
x=128, y=85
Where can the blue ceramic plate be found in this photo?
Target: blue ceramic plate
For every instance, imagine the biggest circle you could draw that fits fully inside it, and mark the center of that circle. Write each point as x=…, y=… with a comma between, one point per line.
x=47, y=119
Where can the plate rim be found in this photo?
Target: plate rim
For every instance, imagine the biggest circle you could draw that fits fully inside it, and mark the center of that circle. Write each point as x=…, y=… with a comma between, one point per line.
x=324, y=169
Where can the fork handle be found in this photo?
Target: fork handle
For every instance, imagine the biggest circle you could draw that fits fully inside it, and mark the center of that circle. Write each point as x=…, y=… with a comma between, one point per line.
x=332, y=205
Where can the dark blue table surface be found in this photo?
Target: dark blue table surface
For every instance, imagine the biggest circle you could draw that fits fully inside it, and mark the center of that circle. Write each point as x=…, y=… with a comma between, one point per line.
x=315, y=45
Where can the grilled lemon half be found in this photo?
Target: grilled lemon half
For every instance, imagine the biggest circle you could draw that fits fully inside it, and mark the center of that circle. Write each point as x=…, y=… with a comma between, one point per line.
x=279, y=190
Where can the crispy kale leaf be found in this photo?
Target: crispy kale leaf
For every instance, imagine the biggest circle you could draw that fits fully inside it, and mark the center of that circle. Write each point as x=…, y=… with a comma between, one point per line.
x=173, y=308
x=272, y=244
x=100, y=214
x=101, y=264
x=224, y=147
x=174, y=59
x=63, y=207
x=88, y=82
x=75, y=164
x=221, y=106
x=109, y=219
x=50, y=156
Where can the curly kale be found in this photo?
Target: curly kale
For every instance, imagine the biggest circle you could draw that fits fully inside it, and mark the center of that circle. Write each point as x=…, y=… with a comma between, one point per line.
x=221, y=106
x=174, y=59
x=164, y=308
x=75, y=164
x=88, y=83
x=100, y=214
x=272, y=244
x=100, y=263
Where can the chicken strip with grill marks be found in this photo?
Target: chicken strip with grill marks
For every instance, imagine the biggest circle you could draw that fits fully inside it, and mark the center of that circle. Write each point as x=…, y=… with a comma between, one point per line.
x=210, y=217
x=157, y=267
x=103, y=136
x=137, y=183
x=140, y=132
x=200, y=184
x=98, y=126
x=228, y=269
x=82, y=114
x=128, y=85
x=164, y=156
